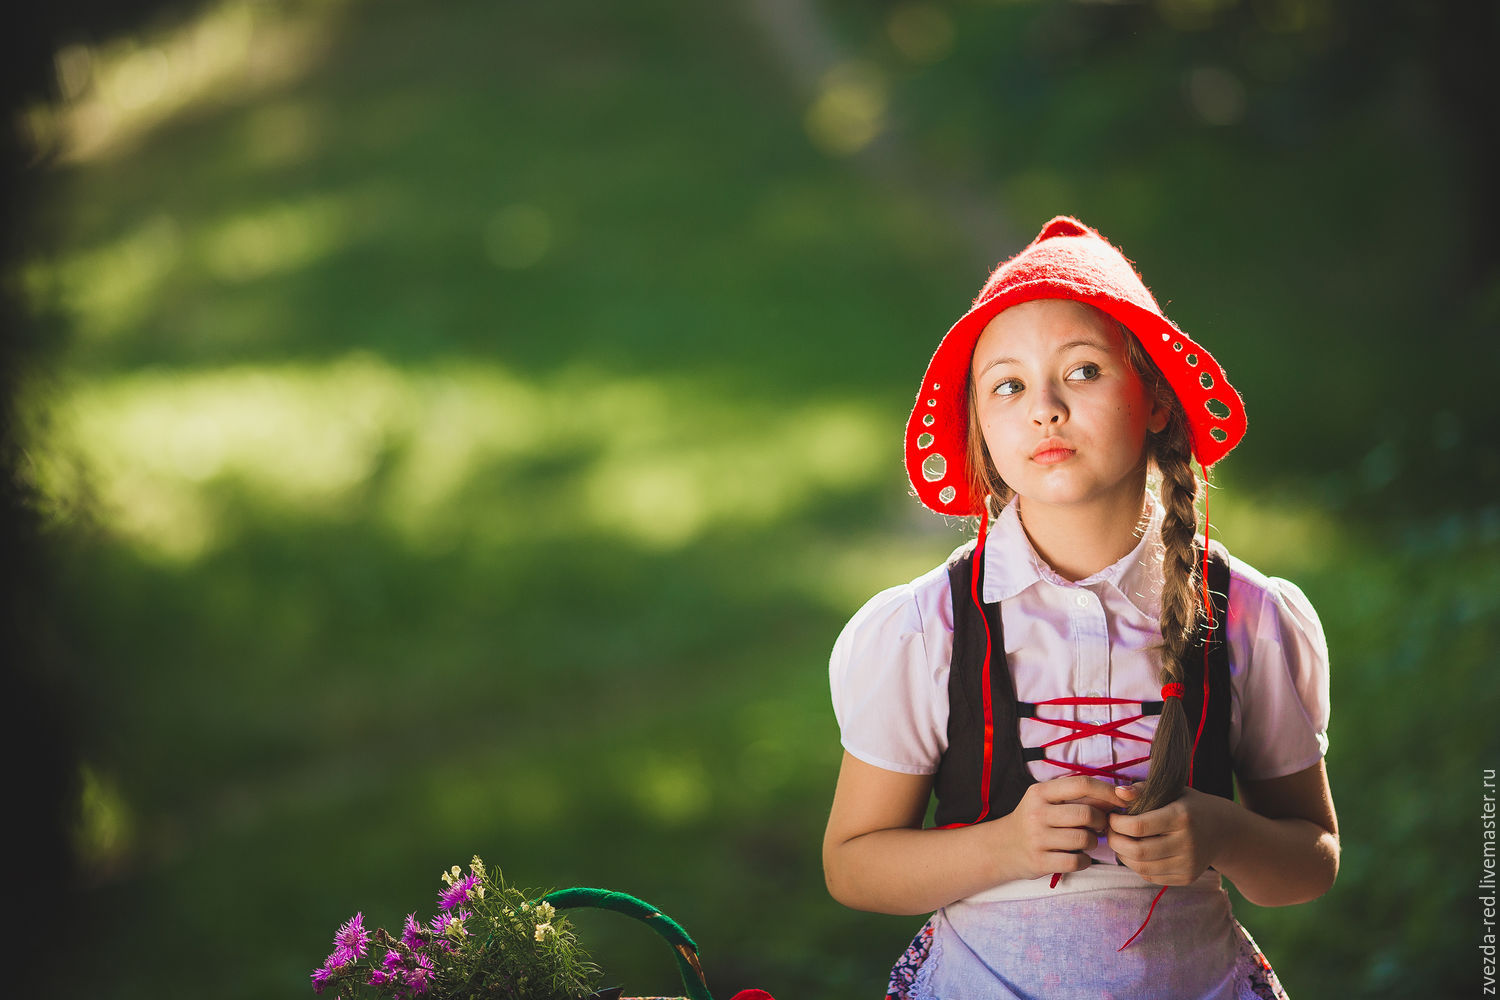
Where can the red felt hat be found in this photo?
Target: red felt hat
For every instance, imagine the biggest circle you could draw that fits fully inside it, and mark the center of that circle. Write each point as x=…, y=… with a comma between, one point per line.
x=1067, y=260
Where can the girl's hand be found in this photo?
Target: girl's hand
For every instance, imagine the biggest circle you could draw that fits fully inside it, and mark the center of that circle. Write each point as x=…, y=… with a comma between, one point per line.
x=1172, y=845
x=1057, y=822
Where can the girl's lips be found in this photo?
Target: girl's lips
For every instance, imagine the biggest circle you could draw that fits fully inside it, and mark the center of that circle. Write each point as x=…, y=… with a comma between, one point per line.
x=1051, y=452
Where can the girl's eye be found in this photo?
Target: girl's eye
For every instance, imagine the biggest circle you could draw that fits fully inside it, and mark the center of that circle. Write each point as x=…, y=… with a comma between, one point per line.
x=1084, y=373
x=1009, y=387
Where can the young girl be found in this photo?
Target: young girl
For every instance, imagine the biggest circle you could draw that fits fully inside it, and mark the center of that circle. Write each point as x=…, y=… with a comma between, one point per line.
x=1086, y=686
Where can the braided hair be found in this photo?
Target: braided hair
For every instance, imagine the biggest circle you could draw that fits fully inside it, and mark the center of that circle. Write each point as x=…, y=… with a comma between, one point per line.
x=1170, y=452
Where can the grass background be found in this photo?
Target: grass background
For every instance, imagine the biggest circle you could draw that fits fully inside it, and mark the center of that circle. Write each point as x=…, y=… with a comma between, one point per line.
x=465, y=427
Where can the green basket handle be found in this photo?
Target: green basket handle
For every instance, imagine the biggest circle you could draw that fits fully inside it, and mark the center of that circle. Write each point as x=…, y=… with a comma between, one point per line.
x=684, y=948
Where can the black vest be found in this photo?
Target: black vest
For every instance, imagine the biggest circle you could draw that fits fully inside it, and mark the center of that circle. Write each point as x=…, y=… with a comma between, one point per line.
x=959, y=779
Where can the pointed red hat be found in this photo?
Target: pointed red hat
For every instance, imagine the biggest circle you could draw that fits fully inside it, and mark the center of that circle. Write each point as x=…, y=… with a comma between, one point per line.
x=1067, y=260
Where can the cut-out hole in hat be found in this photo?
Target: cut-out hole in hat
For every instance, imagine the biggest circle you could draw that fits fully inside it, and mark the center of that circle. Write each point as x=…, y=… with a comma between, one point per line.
x=934, y=468
x=924, y=441
x=1206, y=380
x=1192, y=359
x=1217, y=408
x=928, y=420
x=946, y=494
x=1219, y=434
x=932, y=402
x=1176, y=345
x=935, y=387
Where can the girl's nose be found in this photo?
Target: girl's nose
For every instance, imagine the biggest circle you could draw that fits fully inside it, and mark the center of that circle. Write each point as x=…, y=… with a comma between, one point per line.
x=1047, y=407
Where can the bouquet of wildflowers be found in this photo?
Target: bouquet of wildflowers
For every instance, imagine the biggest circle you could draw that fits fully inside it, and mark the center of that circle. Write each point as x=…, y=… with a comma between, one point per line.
x=487, y=940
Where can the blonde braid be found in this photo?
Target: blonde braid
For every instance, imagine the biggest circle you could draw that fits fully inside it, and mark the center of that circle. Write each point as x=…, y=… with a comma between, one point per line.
x=1181, y=611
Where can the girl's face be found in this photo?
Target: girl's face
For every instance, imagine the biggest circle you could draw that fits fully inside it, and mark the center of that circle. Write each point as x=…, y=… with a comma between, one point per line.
x=1063, y=413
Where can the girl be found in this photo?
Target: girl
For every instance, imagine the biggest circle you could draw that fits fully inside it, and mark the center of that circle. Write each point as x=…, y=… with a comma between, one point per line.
x=1084, y=643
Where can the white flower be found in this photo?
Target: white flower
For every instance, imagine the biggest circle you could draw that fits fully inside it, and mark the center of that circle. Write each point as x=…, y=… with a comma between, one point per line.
x=542, y=930
x=545, y=911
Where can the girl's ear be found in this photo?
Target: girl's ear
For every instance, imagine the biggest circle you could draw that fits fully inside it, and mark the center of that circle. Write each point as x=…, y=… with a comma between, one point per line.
x=1160, y=415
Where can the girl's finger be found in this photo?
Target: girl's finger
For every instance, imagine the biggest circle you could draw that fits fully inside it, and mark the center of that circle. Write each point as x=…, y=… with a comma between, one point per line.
x=1077, y=814
x=1072, y=840
x=1147, y=824
x=1140, y=849
x=1064, y=861
x=1078, y=788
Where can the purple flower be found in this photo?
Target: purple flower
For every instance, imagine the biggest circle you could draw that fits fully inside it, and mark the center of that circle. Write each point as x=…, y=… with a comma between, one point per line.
x=447, y=929
x=419, y=975
x=458, y=892
x=320, y=978
x=411, y=935
x=440, y=923
x=340, y=957
x=379, y=977
x=352, y=937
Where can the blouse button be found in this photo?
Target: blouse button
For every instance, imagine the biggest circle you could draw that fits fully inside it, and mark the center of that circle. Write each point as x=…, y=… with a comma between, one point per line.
x=1083, y=601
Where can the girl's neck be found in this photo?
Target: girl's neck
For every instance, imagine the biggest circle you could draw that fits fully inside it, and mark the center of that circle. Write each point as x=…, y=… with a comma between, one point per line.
x=1079, y=542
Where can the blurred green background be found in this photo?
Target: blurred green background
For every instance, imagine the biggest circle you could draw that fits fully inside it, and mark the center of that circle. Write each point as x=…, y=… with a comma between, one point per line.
x=464, y=427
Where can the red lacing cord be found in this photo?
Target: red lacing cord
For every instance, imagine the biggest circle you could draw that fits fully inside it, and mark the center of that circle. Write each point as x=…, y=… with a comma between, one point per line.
x=1086, y=729
x=989, y=711
x=1083, y=729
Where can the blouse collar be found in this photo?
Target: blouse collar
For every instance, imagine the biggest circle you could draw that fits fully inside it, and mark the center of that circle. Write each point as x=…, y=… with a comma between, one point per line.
x=1136, y=577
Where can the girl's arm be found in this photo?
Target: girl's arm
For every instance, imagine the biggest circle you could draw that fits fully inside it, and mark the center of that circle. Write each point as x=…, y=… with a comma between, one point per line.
x=877, y=857
x=1280, y=847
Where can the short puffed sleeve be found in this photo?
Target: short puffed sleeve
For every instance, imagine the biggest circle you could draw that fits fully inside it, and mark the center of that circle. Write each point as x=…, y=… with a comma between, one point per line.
x=1279, y=663
x=889, y=677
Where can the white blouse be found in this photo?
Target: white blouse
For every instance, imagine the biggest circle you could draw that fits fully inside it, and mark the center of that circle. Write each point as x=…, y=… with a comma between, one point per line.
x=1097, y=637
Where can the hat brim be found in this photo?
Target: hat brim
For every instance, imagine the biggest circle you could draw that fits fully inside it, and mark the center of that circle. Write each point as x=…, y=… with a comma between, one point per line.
x=937, y=430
